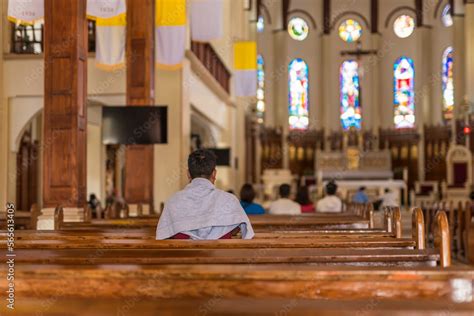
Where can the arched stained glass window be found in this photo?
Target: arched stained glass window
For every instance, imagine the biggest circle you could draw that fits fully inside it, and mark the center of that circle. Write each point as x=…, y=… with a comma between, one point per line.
x=404, y=93
x=448, y=84
x=260, y=88
x=446, y=16
x=298, y=94
x=350, y=31
x=260, y=24
x=349, y=85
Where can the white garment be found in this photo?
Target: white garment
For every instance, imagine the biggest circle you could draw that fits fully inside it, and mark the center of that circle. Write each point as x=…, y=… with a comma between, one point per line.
x=389, y=199
x=203, y=212
x=285, y=207
x=329, y=204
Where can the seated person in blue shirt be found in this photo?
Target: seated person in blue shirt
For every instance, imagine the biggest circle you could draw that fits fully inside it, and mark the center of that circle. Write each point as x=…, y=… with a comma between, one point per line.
x=360, y=196
x=247, y=194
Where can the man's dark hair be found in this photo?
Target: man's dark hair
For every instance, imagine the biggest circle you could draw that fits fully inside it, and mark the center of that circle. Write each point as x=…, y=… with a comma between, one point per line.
x=201, y=163
x=247, y=193
x=284, y=190
x=331, y=188
x=362, y=188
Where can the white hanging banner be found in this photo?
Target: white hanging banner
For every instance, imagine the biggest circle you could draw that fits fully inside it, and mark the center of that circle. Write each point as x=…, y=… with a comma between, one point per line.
x=25, y=11
x=105, y=8
x=206, y=20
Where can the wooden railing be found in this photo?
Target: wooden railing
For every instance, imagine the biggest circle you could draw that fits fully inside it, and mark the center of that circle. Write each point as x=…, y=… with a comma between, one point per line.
x=211, y=60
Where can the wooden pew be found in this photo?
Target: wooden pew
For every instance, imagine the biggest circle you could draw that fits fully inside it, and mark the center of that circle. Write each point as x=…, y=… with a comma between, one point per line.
x=316, y=251
x=218, y=306
x=234, y=281
x=460, y=232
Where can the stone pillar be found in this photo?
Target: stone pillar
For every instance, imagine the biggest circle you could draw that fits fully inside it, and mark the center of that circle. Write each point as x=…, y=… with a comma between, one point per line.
x=459, y=69
x=140, y=49
x=423, y=90
x=469, y=52
x=373, y=70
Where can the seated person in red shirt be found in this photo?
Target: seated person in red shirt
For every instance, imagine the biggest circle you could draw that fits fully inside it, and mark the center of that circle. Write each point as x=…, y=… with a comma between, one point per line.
x=302, y=198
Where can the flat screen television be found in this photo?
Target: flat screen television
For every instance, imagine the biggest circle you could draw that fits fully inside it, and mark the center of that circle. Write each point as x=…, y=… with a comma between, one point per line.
x=223, y=156
x=134, y=125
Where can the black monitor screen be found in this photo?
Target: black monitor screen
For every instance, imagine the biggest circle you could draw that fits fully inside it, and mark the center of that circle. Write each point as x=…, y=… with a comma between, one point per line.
x=140, y=125
x=223, y=156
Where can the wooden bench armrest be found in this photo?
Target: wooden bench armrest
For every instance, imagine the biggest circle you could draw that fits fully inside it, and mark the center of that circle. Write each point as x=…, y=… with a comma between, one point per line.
x=442, y=239
x=418, y=228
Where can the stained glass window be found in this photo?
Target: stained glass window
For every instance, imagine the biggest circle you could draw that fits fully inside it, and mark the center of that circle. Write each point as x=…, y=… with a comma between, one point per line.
x=298, y=29
x=260, y=24
x=298, y=94
x=260, y=88
x=350, y=31
x=404, y=26
x=446, y=16
x=404, y=93
x=349, y=85
x=448, y=84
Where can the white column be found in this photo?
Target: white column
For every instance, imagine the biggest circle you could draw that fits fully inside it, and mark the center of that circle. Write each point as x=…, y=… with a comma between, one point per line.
x=374, y=71
x=469, y=52
x=459, y=69
x=423, y=90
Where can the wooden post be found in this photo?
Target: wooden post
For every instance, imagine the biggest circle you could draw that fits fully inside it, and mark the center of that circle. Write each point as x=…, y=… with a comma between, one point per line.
x=140, y=49
x=418, y=228
x=65, y=92
x=442, y=239
x=469, y=233
x=388, y=214
x=397, y=222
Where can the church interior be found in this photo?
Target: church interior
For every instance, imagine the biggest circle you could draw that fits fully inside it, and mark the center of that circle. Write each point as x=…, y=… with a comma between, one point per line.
x=103, y=101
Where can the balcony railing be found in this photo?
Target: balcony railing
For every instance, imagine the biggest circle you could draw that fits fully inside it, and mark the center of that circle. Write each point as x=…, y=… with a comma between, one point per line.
x=210, y=59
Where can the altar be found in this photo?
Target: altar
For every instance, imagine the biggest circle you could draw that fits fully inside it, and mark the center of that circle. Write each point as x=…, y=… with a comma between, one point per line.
x=353, y=168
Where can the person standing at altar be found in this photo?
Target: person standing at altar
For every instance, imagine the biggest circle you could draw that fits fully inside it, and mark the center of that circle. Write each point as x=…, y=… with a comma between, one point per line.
x=284, y=206
x=331, y=203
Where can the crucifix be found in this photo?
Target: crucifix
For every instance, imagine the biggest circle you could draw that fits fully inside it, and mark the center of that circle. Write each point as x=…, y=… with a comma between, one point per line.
x=358, y=52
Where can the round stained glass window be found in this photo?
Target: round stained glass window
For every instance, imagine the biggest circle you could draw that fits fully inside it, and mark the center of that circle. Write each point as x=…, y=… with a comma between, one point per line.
x=350, y=31
x=298, y=29
x=446, y=16
x=404, y=26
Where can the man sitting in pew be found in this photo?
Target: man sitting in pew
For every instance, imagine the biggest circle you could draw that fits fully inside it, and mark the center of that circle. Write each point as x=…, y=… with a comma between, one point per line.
x=331, y=203
x=284, y=206
x=201, y=211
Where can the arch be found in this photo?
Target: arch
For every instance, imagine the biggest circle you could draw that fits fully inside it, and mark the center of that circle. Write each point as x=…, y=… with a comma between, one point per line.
x=298, y=94
x=339, y=17
x=404, y=92
x=304, y=13
x=392, y=13
x=438, y=6
x=22, y=111
x=349, y=90
x=266, y=13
